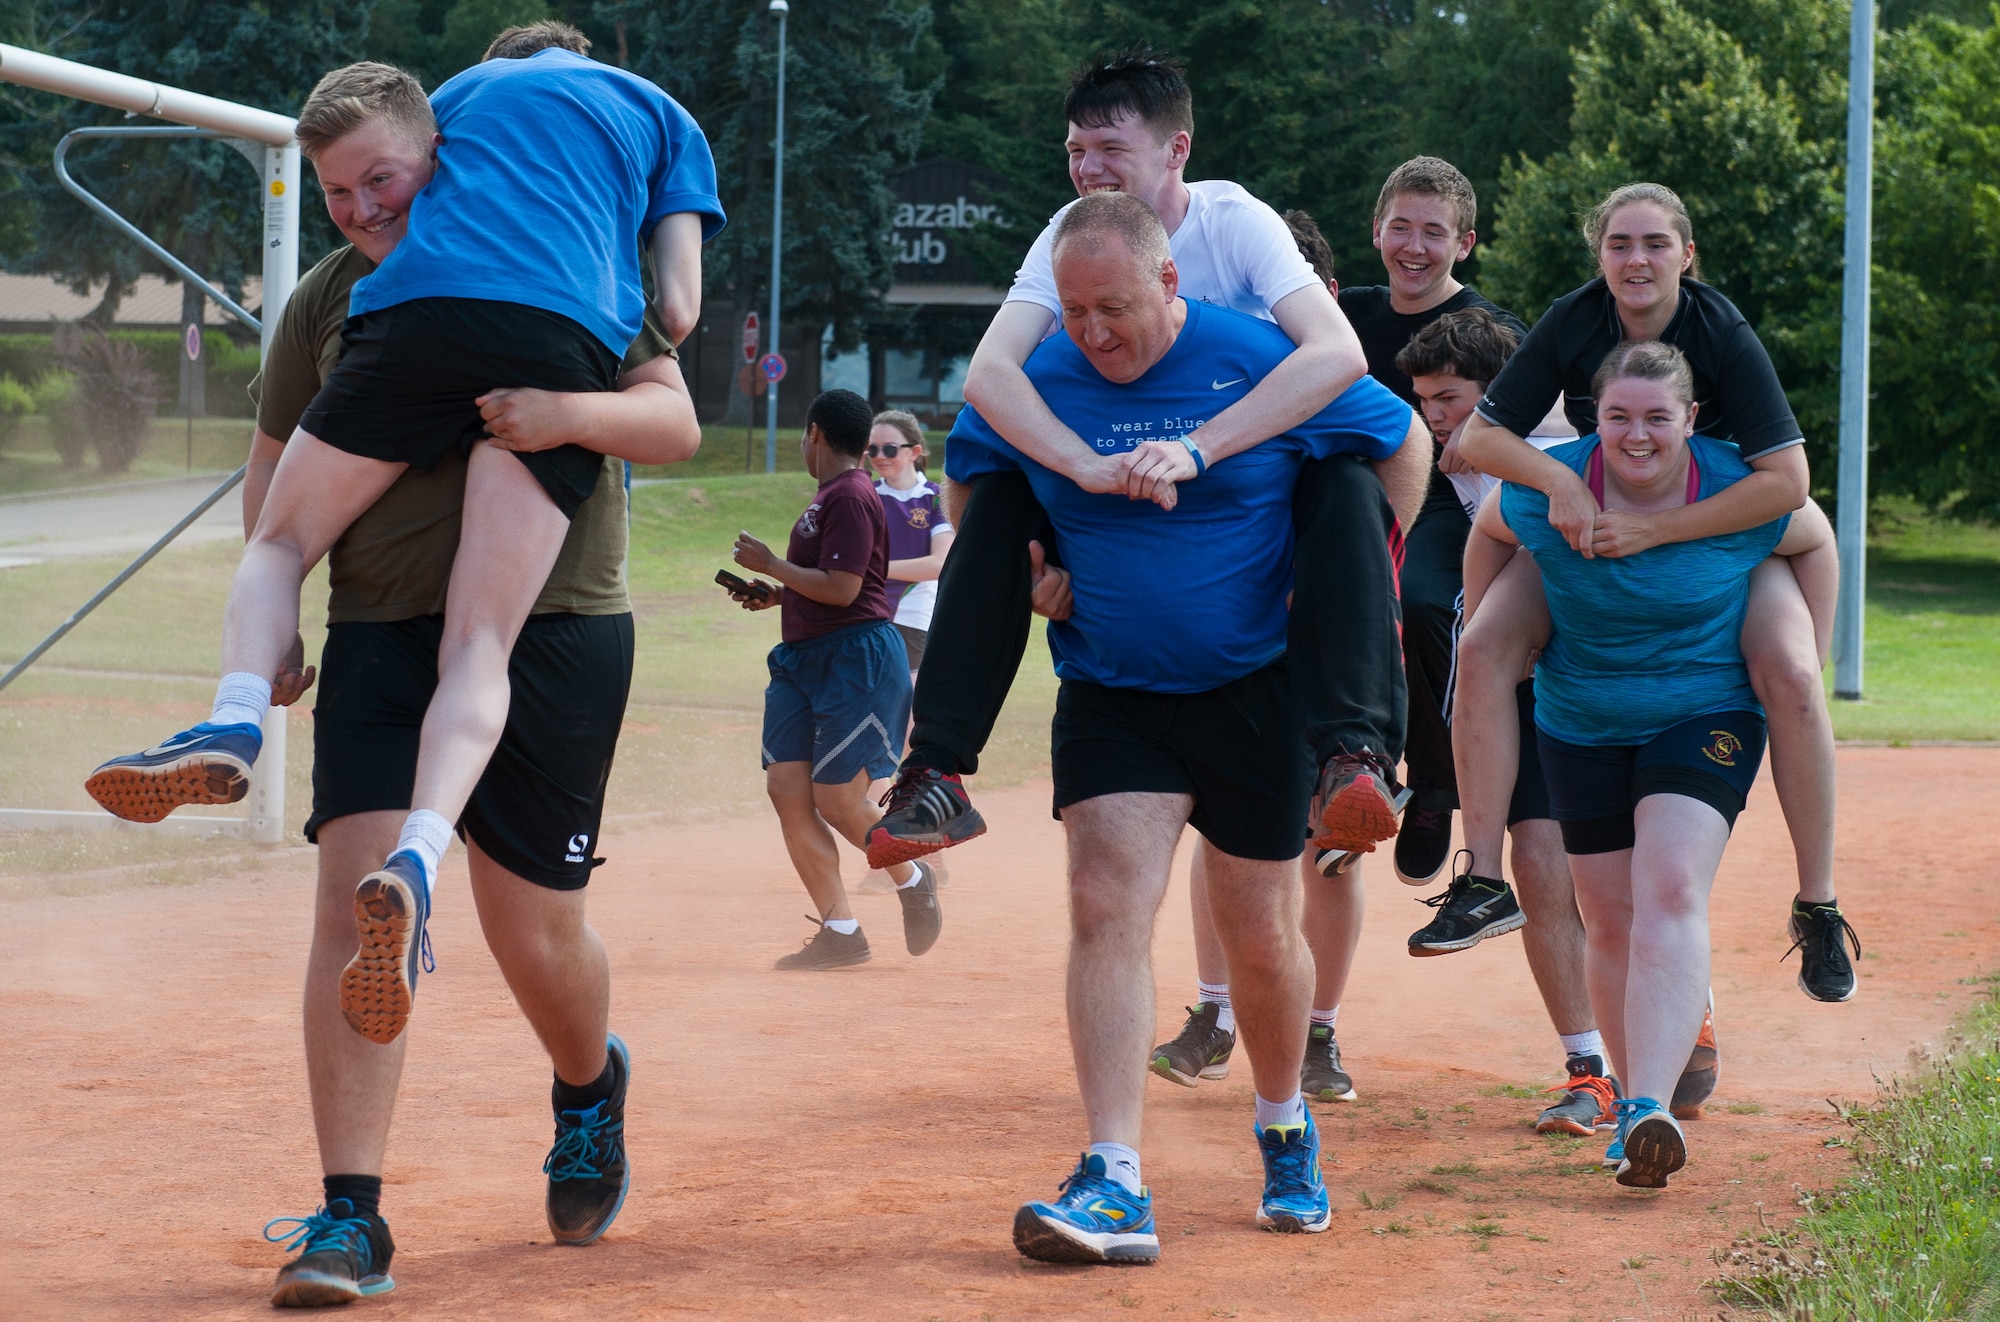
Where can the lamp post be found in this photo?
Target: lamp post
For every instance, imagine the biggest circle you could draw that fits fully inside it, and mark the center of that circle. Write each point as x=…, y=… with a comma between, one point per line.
x=781, y=8
x=1848, y=617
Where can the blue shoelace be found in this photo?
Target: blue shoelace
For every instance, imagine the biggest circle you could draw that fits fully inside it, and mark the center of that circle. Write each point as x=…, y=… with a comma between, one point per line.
x=1290, y=1168
x=323, y=1230
x=578, y=1141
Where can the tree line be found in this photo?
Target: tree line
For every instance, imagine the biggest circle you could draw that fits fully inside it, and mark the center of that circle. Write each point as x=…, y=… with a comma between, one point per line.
x=1740, y=105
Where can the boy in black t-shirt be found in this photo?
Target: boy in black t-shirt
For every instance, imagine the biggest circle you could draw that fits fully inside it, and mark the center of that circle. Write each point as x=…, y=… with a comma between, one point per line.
x=1423, y=227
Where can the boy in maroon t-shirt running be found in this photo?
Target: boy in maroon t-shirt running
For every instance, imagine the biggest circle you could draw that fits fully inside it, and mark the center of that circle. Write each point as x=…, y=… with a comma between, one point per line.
x=839, y=698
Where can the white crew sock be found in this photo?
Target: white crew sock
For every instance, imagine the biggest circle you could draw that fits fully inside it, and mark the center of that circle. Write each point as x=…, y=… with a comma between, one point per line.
x=1291, y=1112
x=1217, y=994
x=844, y=926
x=1583, y=1044
x=1327, y=1017
x=1122, y=1163
x=241, y=699
x=425, y=834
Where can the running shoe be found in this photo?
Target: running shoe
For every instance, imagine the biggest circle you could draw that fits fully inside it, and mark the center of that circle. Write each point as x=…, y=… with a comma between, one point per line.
x=1200, y=1052
x=1654, y=1145
x=208, y=764
x=924, y=811
x=1295, y=1201
x=1821, y=934
x=342, y=1257
x=1423, y=845
x=1469, y=910
x=828, y=949
x=1586, y=1105
x=588, y=1174
x=1321, y=1077
x=922, y=919
x=379, y=985
x=1356, y=802
x=1704, y=1069
x=1094, y=1219
x=1334, y=862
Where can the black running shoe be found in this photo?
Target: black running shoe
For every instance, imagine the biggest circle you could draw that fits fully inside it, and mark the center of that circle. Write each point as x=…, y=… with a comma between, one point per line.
x=1821, y=935
x=1200, y=1052
x=922, y=919
x=342, y=1257
x=924, y=811
x=1321, y=1077
x=828, y=949
x=1588, y=1099
x=588, y=1174
x=1469, y=910
x=1423, y=845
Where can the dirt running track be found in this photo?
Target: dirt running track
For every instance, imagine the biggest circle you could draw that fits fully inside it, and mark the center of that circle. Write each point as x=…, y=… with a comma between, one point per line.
x=854, y=1144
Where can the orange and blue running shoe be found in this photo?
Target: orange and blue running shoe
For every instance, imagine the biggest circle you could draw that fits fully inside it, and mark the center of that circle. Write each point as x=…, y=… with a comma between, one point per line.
x=1704, y=1069
x=206, y=764
x=1587, y=1102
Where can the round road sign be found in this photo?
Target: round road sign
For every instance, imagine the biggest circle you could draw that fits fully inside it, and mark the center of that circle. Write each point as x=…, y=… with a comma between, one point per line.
x=772, y=365
x=191, y=342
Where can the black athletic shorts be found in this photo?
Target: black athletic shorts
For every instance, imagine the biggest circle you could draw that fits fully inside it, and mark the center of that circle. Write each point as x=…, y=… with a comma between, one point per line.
x=1240, y=750
x=408, y=376
x=1531, y=787
x=537, y=809
x=1593, y=789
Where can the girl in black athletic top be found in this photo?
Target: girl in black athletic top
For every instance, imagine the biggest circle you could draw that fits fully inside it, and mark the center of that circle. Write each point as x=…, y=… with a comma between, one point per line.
x=1647, y=290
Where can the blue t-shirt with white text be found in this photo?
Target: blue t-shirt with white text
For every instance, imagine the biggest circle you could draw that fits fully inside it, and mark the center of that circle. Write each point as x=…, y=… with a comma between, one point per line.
x=1182, y=600
x=1642, y=642
x=553, y=171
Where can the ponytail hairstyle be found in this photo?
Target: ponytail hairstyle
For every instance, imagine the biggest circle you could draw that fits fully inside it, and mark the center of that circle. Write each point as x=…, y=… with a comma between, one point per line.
x=1660, y=196
x=910, y=429
x=1646, y=360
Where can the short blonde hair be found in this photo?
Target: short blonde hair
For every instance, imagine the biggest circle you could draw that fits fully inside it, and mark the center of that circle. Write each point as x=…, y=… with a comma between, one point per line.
x=358, y=94
x=518, y=43
x=1431, y=176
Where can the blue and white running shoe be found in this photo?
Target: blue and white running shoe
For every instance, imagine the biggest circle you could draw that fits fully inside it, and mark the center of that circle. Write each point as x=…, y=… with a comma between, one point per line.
x=1095, y=1219
x=208, y=764
x=342, y=1257
x=589, y=1175
x=379, y=984
x=1295, y=1201
x=1654, y=1148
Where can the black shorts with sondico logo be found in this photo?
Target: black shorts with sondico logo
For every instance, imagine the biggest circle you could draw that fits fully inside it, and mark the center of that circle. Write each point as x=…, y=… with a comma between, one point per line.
x=537, y=809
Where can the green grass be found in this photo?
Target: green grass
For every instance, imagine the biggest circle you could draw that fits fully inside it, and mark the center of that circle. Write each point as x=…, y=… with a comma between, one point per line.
x=28, y=462
x=1915, y=1232
x=1931, y=659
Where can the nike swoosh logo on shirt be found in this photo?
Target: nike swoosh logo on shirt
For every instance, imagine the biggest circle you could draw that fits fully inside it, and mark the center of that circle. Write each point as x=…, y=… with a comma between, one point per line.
x=1224, y=385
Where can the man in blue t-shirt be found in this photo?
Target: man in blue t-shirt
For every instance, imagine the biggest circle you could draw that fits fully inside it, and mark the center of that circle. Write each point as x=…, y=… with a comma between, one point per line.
x=1174, y=709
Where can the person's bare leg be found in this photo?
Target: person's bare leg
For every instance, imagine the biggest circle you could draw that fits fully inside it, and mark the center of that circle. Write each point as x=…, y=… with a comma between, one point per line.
x=815, y=855
x=1210, y=964
x=1255, y=906
x=316, y=492
x=508, y=540
x=1554, y=936
x=1781, y=646
x=1604, y=898
x=1332, y=914
x=1679, y=846
x=1493, y=650
x=553, y=963
x=848, y=810
x=1121, y=847
x=351, y=1079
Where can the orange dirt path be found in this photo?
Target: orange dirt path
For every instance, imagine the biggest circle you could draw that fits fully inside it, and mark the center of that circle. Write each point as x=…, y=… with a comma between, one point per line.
x=854, y=1144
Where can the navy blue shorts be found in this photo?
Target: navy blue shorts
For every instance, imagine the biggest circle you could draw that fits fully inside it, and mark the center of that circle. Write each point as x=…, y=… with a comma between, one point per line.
x=1593, y=788
x=840, y=701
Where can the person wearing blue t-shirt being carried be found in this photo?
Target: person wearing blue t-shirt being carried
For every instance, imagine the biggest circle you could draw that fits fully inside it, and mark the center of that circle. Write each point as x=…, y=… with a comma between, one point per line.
x=1173, y=710
x=1650, y=732
x=520, y=270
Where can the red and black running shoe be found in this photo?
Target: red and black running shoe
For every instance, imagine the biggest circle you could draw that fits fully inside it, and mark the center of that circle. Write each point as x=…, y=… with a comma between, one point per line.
x=926, y=811
x=1357, y=802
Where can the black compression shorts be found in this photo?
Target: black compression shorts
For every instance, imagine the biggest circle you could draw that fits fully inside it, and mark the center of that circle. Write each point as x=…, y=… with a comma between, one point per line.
x=1593, y=788
x=404, y=388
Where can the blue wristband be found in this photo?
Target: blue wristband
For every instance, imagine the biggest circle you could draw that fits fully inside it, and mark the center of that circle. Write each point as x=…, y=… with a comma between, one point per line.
x=1200, y=464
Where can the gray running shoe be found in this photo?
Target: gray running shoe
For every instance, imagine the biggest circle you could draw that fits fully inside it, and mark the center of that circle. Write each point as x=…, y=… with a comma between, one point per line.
x=828, y=949
x=1588, y=1097
x=922, y=919
x=1321, y=1077
x=1200, y=1052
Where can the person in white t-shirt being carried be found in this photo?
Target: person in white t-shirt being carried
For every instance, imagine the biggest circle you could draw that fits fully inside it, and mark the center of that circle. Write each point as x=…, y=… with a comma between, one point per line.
x=919, y=533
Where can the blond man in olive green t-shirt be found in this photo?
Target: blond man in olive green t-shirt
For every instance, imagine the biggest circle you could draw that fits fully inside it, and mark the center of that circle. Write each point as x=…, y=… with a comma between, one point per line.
x=531, y=826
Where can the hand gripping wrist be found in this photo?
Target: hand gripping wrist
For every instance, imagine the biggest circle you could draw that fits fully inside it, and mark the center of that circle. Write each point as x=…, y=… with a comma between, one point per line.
x=1194, y=451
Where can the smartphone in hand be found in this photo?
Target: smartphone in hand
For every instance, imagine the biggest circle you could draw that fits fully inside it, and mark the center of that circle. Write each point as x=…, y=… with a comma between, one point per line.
x=738, y=587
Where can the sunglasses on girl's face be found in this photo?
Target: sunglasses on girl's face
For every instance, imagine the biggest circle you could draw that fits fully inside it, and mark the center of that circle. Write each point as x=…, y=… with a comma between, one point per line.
x=889, y=451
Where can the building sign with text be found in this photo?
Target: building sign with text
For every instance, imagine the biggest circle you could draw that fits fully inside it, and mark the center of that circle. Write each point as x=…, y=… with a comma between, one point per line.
x=936, y=203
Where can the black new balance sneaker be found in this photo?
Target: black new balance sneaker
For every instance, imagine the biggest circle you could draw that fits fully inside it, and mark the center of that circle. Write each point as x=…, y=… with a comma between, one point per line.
x=1200, y=1052
x=588, y=1174
x=925, y=811
x=1424, y=843
x=1321, y=1077
x=1821, y=935
x=1469, y=910
x=342, y=1257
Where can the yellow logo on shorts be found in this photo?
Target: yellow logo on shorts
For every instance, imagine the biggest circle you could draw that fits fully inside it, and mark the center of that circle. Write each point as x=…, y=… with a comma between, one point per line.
x=1723, y=748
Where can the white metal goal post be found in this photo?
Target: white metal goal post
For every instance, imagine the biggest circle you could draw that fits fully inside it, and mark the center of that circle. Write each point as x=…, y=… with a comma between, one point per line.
x=278, y=185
